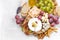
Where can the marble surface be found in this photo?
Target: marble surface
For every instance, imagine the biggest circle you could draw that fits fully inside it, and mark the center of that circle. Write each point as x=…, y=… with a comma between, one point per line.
x=10, y=30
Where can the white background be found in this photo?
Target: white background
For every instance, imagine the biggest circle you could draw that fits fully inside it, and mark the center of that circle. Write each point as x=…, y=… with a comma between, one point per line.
x=9, y=30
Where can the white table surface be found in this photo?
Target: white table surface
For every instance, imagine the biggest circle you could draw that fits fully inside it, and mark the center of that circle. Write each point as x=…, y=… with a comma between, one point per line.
x=9, y=29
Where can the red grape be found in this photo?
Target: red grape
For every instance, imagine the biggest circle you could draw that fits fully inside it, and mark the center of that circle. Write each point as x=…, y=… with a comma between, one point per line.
x=41, y=13
x=57, y=22
x=16, y=17
x=52, y=24
x=21, y=19
x=50, y=15
x=55, y=18
x=50, y=20
x=18, y=21
x=39, y=17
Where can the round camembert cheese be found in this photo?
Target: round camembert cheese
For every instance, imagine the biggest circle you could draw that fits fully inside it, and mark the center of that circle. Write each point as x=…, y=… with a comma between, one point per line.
x=35, y=24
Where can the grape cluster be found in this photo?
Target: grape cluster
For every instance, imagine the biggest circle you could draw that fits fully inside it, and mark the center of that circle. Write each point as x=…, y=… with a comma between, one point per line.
x=46, y=5
x=18, y=19
x=53, y=20
x=40, y=15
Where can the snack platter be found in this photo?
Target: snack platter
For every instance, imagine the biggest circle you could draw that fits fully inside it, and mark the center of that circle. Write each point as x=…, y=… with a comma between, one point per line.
x=38, y=17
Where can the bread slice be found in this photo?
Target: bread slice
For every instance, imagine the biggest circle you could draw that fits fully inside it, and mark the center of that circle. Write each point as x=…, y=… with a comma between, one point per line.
x=34, y=12
x=25, y=9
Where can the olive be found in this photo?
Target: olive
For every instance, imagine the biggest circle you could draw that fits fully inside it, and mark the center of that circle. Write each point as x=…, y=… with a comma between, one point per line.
x=18, y=9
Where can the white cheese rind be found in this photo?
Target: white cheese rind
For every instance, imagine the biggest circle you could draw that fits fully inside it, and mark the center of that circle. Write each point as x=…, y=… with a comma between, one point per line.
x=38, y=27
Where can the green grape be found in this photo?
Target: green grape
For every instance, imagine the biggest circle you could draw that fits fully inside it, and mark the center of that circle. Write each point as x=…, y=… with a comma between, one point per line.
x=42, y=8
x=49, y=4
x=49, y=1
x=37, y=5
x=52, y=5
x=51, y=11
x=48, y=8
x=46, y=5
x=45, y=2
x=40, y=3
